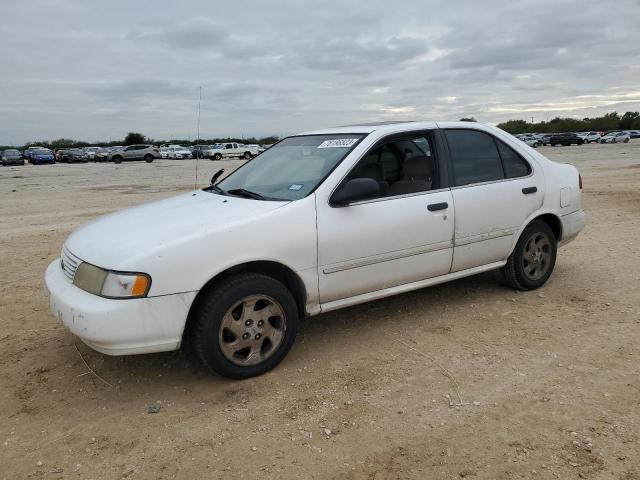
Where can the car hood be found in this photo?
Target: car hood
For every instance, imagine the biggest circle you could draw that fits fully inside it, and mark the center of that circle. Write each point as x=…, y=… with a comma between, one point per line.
x=119, y=240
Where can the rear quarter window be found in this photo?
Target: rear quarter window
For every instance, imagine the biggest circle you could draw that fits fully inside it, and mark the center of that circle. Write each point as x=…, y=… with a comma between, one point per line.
x=514, y=165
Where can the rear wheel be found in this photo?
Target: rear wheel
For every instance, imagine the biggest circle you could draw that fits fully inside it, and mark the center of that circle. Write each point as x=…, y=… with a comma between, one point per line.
x=532, y=261
x=245, y=325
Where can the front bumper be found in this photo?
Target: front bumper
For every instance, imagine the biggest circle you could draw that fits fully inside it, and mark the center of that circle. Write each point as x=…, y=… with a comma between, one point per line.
x=572, y=225
x=118, y=327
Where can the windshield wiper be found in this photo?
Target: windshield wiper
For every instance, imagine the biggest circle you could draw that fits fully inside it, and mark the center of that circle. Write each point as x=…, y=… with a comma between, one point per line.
x=214, y=188
x=241, y=192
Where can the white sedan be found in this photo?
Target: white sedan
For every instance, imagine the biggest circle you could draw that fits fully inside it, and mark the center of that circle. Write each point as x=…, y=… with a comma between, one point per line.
x=321, y=221
x=178, y=152
x=615, y=137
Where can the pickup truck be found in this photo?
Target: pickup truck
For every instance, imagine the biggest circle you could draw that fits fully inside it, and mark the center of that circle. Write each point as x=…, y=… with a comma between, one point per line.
x=231, y=150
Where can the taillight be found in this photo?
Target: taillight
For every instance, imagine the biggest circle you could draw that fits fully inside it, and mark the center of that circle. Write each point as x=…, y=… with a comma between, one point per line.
x=580, y=181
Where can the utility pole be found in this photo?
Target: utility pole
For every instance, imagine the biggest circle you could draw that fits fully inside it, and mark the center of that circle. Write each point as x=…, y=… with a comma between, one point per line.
x=199, y=102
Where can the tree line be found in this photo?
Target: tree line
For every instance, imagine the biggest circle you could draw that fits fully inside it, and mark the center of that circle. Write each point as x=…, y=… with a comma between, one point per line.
x=133, y=138
x=605, y=123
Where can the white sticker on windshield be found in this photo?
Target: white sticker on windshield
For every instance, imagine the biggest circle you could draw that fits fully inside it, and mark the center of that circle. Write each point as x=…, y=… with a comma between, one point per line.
x=296, y=186
x=338, y=143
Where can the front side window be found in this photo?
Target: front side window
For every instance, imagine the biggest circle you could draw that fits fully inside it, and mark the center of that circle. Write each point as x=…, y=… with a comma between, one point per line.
x=474, y=157
x=400, y=166
x=291, y=169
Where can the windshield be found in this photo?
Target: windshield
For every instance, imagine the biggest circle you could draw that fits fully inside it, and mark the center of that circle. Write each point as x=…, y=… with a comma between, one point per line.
x=42, y=152
x=12, y=153
x=293, y=168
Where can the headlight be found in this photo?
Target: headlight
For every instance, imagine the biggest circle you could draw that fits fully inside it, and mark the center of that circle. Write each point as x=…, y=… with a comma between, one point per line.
x=110, y=284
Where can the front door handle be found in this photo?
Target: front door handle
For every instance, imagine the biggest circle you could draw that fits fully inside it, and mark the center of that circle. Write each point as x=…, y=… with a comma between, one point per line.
x=438, y=206
x=529, y=190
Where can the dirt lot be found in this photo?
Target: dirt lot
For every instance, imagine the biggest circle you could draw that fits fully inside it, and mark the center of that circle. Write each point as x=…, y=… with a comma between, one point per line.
x=549, y=379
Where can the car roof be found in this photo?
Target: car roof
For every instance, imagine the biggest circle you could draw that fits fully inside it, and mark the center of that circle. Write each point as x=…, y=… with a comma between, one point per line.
x=395, y=127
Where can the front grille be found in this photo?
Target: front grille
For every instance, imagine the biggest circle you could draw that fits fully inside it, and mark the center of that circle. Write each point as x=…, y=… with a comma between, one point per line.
x=69, y=263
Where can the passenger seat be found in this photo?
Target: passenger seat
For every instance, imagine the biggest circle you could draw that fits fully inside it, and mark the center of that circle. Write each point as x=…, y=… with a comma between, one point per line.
x=417, y=176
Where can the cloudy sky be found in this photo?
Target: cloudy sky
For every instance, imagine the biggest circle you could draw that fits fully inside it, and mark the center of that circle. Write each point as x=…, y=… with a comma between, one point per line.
x=94, y=70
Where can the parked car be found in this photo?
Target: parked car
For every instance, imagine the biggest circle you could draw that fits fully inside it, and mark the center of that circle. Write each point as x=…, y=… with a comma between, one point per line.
x=530, y=140
x=589, y=137
x=12, y=157
x=27, y=153
x=90, y=152
x=256, y=147
x=633, y=133
x=545, y=139
x=148, y=153
x=164, y=152
x=41, y=156
x=615, y=137
x=101, y=155
x=178, y=152
x=565, y=139
x=202, y=151
x=234, y=150
x=345, y=216
x=73, y=155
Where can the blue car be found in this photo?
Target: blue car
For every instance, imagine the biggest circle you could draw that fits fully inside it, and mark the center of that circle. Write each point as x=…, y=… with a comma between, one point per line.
x=38, y=157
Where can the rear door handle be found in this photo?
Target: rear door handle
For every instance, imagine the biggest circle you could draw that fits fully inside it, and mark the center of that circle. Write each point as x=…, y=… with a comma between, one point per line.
x=438, y=206
x=529, y=190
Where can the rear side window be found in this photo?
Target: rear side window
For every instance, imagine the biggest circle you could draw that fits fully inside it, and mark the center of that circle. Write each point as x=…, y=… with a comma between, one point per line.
x=474, y=157
x=514, y=165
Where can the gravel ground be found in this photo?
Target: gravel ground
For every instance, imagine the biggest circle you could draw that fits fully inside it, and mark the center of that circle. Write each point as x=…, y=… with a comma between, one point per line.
x=548, y=380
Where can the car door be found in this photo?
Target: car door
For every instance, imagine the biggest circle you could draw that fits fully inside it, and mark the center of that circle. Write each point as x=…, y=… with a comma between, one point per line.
x=128, y=152
x=228, y=150
x=403, y=235
x=495, y=189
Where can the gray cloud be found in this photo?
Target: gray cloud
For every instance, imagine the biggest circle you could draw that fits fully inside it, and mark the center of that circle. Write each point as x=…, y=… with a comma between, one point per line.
x=101, y=69
x=193, y=34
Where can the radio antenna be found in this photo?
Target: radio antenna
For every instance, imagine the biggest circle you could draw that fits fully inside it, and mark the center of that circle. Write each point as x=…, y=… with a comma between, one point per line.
x=195, y=185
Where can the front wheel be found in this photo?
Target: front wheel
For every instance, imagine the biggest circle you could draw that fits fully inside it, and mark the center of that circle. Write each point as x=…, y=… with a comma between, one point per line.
x=117, y=159
x=217, y=156
x=148, y=158
x=245, y=325
x=532, y=261
x=247, y=155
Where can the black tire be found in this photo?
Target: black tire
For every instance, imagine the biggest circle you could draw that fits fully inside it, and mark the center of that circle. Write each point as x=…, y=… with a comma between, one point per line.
x=117, y=159
x=514, y=271
x=217, y=156
x=218, y=301
x=626, y=140
x=148, y=158
x=247, y=155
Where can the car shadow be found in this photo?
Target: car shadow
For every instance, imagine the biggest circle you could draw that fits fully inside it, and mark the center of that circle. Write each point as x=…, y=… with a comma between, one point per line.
x=380, y=317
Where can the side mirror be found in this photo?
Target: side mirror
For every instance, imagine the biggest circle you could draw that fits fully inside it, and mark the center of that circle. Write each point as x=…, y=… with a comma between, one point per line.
x=354, y=190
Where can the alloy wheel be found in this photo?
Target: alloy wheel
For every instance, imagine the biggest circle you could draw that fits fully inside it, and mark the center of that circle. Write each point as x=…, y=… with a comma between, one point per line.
x=536, y=259
x=252, y=330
